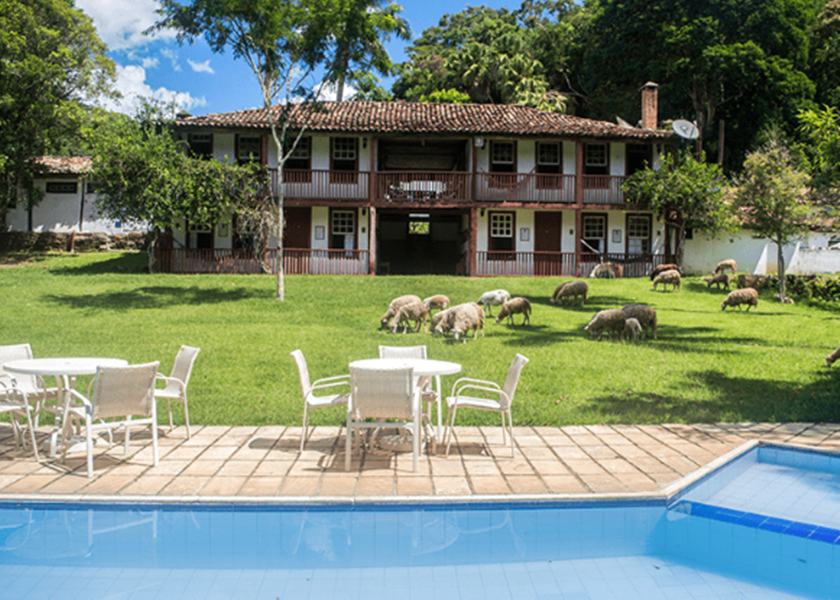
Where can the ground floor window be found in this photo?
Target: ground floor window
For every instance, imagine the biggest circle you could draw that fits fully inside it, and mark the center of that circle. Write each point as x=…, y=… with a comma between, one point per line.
x=501, y=239
x=199, y=236
x=638, y=234
x=343, y=229
x=594, y=233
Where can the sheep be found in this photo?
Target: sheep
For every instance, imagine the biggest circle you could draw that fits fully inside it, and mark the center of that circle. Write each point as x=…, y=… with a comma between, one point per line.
x=672, y=277
x=396, y=304
x=607, y=270
x=788, y=299
x=460, y=319
x=440, y=302
x=416, y=311
x=437, y=319
x=717, y=280
x=666, y=267
x=517, y=305
x=632, y=328
x=726, y=264
x=612, y=320
x=757, y=282
x=571, y=289
x=829, y=360
x=646, y=315
x=494, y=298
x=747, y=296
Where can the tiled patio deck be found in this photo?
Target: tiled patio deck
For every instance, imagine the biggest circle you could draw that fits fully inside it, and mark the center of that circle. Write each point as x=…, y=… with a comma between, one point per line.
x=264, y=462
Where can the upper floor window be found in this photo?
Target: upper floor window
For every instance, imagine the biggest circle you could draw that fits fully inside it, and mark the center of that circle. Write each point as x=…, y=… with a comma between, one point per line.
x=62, y=187
x=301, y=156
x=596, y=159
x=201, y=144
x=548, y=158
x=249, y=148
x=502, y=157
x=344, y=156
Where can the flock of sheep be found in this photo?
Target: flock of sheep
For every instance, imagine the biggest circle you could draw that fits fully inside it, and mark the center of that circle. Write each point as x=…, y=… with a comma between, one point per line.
x=746, y=294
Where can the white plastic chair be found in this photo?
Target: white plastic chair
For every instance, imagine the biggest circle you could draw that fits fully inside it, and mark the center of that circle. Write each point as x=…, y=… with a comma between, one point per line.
x=176, y=383
x=383, y=394
x=310, y=400
x=119, y=393
x=428, y=393
x=21, y=394
x=500, y=399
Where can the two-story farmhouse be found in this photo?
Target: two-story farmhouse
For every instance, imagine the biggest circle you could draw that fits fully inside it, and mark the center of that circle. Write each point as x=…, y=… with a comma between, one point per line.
x=402, y=188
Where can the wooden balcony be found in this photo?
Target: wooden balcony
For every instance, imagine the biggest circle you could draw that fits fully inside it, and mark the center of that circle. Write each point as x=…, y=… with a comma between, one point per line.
x=446, y=187
x=297, y=261
x=525, y=187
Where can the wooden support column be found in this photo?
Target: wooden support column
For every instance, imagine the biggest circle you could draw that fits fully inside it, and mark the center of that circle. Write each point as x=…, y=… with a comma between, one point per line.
x=473, y=247
x=372, y=176
x=372, y=242
x=578, y=203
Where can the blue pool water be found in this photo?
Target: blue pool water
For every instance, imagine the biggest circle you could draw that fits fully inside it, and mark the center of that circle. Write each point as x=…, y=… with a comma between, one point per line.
x=709, y=541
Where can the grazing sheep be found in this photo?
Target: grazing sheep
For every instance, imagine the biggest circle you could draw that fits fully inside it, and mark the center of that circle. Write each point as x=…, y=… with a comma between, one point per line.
x=440, y=302
x=718, y=280
x=726, y=264
x=571, y=289
x=416, y=311
x=515, y=306
x=494, y=298
x=460, y=319
x=757, y=282
x=612, y=320
x=788, y=299
x=829, y=360
x=666, y=267
x=747, y=296
x=646, y=315
x=672, y=277
x=632, y=328
x=396, y=304
x=607, y=270
x=437, y=319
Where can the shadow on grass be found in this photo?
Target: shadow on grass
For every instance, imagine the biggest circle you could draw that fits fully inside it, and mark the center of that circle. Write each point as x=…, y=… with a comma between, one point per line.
x=736, y=399
x=124, y=263
x=153, y=297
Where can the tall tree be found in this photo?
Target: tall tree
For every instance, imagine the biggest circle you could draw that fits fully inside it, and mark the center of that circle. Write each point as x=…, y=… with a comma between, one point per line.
x=285, y=44
x=771, y=198
x=684, y=193
x=821, y=128
x=50, y=61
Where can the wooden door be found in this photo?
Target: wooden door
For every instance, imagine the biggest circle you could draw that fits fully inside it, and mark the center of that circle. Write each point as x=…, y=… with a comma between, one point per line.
x=548, y=237
x=298, y=225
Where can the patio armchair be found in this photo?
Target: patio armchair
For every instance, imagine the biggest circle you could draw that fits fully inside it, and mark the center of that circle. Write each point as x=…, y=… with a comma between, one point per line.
x=119, y=395
x=176, y=384
x=382, y=394
x=310, y=399
x=428, y=393
x=490, y=396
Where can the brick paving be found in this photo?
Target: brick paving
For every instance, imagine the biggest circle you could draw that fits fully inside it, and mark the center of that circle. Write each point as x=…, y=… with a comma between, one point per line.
x=264, y=462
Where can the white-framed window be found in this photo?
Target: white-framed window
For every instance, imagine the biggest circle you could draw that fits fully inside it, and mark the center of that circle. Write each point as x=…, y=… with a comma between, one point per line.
x=501, y=228
x=595, y=155
x=343, y=229
x=548, y=154
x=62, y=187
x=638, y=234
x=501, y=225
x=201, y=144
x=594, y=233
x=344, y=149
x=249, y=148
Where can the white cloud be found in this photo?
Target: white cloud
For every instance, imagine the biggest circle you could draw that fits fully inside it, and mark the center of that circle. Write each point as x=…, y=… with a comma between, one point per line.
x=150, y=63
x=121, y=23
x=201, y=67
x=172, y=56
x=131, y=83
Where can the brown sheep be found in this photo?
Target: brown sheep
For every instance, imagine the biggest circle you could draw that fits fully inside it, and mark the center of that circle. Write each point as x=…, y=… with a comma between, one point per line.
x=612, y=320
x=646, y=315
x=396, y=304
x=831, y=358
x=571, y=289
x=515, y=306
x=718, y=280
x=440, y=302
x=747, y=296
x=672, y=277
x=726, y=264
x=662, y=268
x=416, y=311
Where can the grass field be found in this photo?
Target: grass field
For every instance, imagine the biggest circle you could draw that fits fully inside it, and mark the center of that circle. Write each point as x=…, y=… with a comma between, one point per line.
x=707, y=366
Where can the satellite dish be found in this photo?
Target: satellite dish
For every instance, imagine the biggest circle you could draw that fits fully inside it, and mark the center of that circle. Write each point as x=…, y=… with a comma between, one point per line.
x=685, y=129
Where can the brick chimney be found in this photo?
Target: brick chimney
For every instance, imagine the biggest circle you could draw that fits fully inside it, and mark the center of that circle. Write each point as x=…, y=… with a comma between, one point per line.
x=650, y=105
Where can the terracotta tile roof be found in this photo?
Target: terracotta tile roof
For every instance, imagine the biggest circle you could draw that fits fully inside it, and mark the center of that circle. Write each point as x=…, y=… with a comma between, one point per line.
x=65, y=165
x=422, y=118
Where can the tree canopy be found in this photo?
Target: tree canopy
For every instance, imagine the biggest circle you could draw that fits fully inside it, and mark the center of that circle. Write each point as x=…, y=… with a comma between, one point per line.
x=51, y=60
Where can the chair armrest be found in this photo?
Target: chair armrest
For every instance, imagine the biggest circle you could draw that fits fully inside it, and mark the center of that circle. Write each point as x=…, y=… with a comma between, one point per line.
x=86, y=404
x=160, y=377
x=330, y=382
x=336, y=378
x=464, y=380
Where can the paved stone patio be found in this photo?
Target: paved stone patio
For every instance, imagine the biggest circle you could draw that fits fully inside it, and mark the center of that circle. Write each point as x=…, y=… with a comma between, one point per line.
x=264, y=462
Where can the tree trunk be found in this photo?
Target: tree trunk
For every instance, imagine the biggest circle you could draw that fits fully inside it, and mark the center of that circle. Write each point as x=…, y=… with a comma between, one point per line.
x=781, y=267
x=281, y=225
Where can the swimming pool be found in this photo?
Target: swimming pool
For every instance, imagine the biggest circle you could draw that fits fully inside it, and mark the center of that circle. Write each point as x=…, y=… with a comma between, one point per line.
x=651, y=547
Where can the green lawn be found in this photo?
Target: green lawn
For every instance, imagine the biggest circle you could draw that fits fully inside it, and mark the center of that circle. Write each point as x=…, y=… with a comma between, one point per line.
x=707, y=366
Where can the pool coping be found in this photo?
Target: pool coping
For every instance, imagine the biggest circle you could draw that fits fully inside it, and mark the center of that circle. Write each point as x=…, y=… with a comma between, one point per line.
x=661, y=497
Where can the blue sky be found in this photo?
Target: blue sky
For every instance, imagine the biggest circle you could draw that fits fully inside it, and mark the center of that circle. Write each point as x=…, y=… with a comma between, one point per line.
x=195, y=78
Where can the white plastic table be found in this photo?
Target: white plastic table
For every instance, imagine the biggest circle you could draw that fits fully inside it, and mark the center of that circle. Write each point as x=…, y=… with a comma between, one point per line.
x=65, y=371
x=423, y=367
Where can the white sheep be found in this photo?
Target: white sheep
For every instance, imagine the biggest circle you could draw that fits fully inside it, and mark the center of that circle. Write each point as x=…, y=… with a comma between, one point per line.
x=632, y=328
x=666, y=277
x=612, y=320
x=416, y=311
x=571, y=289
x=436, y=320
x=747, y=296
x=460, y=319
x=515, y=306
x=396, y=304
x=494, y=298
x=644, y=314
x=662, y=268
x=729, y=264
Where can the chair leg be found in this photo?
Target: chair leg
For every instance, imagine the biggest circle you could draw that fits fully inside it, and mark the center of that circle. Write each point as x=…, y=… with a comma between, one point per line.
x=510, y=427
x=187, y=415
x=417, y=432
x=169, y=407
x=451, y=427
x=155, y=451
x=348, y=445
x=88, y=445
x=32, y=433
x=127, y=433
x=305, y=423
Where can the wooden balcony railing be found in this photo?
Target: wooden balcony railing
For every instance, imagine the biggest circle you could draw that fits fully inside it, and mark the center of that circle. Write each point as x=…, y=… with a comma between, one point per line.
x=446, y=186
x=525, y=187
x=549, y=264
x=423, y=186
x=297, y=261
